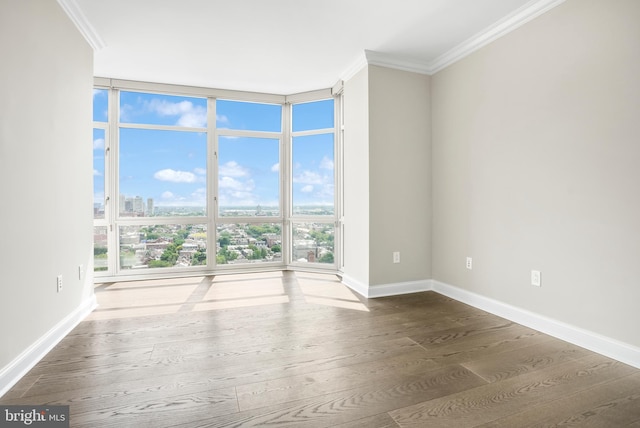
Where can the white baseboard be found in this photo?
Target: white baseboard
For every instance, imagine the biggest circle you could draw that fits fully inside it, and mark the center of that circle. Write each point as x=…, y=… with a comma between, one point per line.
x=15, y=370
x=603, y=345
x=383, y=290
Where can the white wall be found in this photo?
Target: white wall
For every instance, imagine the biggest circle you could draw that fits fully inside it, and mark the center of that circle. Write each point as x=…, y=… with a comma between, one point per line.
x=356, y=178
x=387, y=180
x=45, y=175
x=536, y=165
x=399, y=175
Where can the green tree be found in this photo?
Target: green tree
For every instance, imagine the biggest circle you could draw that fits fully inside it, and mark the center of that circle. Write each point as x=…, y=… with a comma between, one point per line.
x=183, y=233
x=159, y=263
x=257, y=253
x=322, y=237
x=199, y=257
x=256, y=231
x=326, y=258
x=171, y=253
x=225, y=239
x=226, y=255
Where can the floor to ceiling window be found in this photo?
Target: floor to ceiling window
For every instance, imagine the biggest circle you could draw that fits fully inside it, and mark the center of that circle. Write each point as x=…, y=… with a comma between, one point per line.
x=313, y=182
x=205, y=183
x=100, y=151
x=248, y=213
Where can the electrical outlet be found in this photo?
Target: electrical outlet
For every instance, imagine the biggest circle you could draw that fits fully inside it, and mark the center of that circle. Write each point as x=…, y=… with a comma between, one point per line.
x=396, y=256
x=536, y=278
x=59, y=283
x=469, y=263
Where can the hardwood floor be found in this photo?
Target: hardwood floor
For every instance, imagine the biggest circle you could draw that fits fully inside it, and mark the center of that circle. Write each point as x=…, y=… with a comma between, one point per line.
x=302, y=350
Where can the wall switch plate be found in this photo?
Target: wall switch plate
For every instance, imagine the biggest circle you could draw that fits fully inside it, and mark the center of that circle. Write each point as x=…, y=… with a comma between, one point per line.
x=396, y=256
x=59, y=283
x=469, y=263
x=536, y=278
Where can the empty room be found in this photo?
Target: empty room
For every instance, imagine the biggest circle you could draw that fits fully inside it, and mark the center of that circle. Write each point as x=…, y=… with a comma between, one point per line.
x=335, y=213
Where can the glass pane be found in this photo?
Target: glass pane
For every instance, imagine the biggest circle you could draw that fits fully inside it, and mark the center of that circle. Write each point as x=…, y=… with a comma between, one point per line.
x=249, y=243
x=162, y=173
x=315, y=115
x=98, y=173
x=248, y=116
x=248, y=176
x=162, y=246
x=156, y=109
x=313, y=176
x=313, y=242
x=100, y=105
x=100, y=253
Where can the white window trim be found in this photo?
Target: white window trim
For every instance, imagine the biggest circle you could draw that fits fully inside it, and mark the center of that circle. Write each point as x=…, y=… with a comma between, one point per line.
x=113, y=221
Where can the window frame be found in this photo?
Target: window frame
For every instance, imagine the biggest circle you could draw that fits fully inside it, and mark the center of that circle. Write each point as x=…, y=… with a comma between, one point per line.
x=333, y=220
x=113, y=221
x=217, y=218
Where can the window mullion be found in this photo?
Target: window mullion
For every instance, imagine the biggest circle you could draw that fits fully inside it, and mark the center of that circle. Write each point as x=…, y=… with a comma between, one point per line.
x=212, y=182
x=286, y=183
x=113, y=152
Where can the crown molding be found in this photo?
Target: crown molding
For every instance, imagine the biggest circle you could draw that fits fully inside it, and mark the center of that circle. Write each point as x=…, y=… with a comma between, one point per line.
x=384, y=60
x=397, y=62
x=76, y=15
x=354, y=68
x=521, y=16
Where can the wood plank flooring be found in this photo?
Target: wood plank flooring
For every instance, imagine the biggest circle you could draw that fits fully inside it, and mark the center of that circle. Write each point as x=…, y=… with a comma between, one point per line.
x=301, y=350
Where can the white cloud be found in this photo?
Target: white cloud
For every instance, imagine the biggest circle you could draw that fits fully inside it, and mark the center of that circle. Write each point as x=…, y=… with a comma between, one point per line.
x=175, y=176
x=189, y=115
x=275, y=167
x=326, y=163
x=229, y=183
x=233, y=169
x=318, y=188
x=98, y=144
x=222, y=119
x=199, y=196
x=237, y=191
x=308, y=177
x=96, y=173
x=126, y=112
x=193, y=119
x=200, y=171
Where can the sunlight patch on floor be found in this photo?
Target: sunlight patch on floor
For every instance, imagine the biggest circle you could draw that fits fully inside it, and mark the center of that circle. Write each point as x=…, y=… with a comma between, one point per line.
x=240, y=289
x=110, y=314
x=145, y=296
x=206, y=293
x=241, y=303
x=327, y=290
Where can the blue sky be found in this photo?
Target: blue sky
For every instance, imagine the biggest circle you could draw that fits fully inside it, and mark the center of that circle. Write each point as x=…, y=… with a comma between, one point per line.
x=170, y=166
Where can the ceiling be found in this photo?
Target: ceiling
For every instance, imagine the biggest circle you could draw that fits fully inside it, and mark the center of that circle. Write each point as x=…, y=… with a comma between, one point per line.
x=285, y=46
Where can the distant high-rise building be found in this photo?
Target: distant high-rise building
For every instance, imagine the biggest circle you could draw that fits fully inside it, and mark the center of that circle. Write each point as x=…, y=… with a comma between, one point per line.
x=138, y=205
x=123, y=203
x=150, y=207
